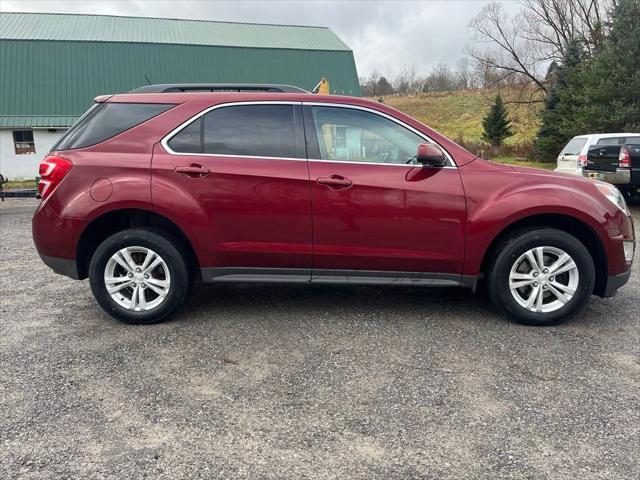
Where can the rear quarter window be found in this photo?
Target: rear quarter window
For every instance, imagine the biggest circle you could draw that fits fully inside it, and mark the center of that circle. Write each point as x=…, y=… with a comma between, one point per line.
x=106, y=120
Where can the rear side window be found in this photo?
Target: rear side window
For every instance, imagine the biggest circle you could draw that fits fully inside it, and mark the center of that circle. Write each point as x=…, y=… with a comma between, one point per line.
x=107, y=120
x=247, y=130
x=618, y=140
x=574, y=147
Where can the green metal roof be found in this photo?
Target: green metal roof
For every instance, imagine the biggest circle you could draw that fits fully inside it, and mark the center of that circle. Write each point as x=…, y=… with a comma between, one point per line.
x=27, y=121
x=53, y=69
x=102, y=28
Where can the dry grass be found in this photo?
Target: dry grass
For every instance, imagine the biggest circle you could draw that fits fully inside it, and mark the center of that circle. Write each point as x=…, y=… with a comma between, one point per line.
x=19, y=184
x=459, y=114
x=524, y=163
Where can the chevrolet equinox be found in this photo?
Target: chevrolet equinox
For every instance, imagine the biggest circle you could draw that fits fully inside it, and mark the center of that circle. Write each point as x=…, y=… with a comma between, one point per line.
x=149, y=191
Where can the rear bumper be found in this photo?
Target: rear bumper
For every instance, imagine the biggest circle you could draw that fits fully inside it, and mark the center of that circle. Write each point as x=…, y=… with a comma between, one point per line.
x=622, y=176
x=614, y=282
x=56, y=239
x=569, y=170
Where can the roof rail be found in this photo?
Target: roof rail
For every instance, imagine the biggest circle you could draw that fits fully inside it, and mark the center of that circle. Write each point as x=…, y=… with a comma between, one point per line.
x=217, y=87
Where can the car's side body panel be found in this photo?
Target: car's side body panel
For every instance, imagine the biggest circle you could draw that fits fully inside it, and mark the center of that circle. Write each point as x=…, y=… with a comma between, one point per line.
x=499, y=196
x=393, y=217
x=248, y=212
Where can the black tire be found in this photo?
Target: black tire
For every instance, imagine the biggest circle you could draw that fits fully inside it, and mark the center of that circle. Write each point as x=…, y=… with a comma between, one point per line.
x=157, y=241
x=508, y=253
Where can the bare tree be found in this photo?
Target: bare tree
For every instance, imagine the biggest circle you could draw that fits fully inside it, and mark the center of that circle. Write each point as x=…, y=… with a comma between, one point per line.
x=407, y=82
x=552, y=23
x=440, y=79
x=519, y=49
x=370, y=85
x=464, y=74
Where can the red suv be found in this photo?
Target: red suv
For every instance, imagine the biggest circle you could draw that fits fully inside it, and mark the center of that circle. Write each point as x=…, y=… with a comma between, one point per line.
x=150, y=191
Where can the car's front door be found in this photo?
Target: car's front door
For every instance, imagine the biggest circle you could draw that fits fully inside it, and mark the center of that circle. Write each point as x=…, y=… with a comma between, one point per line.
x=239, y=174
x=376, y=212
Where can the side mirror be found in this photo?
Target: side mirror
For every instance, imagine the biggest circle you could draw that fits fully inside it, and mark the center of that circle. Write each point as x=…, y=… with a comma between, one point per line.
x=431, y=155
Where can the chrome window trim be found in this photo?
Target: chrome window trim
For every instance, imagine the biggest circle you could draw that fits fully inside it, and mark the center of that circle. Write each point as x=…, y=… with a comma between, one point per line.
x=410, y=165
x=452, y=163
x=165, y=140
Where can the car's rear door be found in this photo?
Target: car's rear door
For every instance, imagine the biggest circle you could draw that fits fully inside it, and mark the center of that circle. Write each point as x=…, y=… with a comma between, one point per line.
x=376, y=213
x=237, y=174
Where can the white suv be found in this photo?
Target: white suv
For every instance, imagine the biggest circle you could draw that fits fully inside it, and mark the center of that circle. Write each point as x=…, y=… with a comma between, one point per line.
x=574, y=155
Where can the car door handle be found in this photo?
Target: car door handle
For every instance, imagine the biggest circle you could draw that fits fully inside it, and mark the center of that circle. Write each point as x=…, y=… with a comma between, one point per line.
x=335, y=181
x=193, y=170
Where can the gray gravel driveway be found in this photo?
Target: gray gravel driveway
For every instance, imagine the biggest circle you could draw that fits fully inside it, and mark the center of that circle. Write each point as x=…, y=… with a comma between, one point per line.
x=308, y=382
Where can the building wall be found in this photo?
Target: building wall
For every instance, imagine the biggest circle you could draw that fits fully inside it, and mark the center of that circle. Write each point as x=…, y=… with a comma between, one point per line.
x=62, y=78
x=25, y=166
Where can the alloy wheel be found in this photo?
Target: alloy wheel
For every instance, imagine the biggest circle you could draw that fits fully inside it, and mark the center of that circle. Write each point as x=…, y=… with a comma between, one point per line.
x=544, y=279
x=137, y=278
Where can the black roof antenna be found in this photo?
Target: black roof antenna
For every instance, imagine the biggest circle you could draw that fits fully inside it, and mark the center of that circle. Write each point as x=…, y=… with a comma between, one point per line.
x=148, y=81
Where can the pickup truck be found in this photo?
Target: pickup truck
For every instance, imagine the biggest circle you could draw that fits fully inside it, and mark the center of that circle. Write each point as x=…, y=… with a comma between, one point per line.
x=616, y=164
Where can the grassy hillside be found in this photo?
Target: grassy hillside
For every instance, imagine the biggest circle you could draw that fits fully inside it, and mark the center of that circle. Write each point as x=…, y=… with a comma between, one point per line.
x=458, y=115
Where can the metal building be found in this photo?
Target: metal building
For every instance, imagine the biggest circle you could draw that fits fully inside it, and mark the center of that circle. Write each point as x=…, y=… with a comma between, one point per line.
x=53, y=65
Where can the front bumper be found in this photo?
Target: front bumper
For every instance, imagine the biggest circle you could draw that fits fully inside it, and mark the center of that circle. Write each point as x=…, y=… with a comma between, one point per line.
x=62, y=266
x=622, y=176
x=614, y=282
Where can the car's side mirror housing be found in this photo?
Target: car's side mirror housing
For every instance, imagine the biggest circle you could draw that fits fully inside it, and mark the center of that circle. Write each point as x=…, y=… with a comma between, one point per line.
x=431, y=155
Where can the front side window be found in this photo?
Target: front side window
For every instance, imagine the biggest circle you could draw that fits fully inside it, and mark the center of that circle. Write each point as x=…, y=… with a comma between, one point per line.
x=23, y=142
x=106, y=120
x=352, y=135
x=243, y=130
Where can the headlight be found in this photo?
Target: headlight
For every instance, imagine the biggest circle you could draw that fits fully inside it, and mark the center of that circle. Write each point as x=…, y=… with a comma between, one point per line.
x=613, y=194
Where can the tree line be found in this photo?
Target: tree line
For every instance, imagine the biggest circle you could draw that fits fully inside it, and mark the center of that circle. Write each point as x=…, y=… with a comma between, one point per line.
x=464, y=76
x=578, y=57
x=582, y=55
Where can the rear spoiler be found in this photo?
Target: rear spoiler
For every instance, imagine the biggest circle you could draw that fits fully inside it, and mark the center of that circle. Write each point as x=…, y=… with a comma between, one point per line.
x=102, y=98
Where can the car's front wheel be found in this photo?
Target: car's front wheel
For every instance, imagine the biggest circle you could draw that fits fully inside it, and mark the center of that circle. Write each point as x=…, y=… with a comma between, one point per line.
x=541, y=276
x=138, y=276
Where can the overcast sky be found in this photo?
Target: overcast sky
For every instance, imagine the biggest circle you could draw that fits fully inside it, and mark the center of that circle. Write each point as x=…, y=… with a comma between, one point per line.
x=384, y=35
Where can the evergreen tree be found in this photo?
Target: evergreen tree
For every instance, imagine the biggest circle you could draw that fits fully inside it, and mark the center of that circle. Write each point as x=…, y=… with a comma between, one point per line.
x=496, y=123
x=598, y=94
x=383, y=87
x=557, y=124
x=610, y=93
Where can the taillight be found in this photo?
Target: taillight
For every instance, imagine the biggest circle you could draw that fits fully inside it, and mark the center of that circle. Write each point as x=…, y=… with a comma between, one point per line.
x=52, y=170
x=582, y=160
x=624, y=159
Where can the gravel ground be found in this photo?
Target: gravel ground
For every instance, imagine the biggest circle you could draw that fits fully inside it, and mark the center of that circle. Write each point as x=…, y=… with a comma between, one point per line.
x=308, y=382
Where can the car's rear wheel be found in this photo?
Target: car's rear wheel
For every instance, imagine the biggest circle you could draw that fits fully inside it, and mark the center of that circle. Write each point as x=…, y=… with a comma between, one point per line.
x=541, y=276
x=138, y=276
